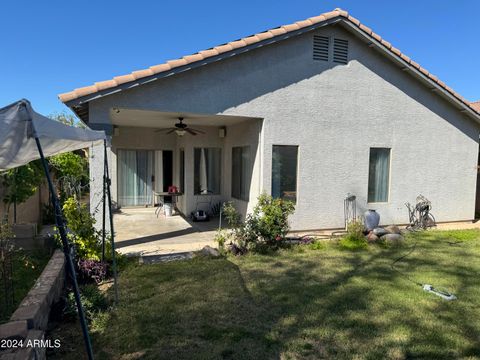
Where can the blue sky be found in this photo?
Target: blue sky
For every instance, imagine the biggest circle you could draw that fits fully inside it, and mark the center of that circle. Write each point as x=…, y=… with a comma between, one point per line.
x=50, y=47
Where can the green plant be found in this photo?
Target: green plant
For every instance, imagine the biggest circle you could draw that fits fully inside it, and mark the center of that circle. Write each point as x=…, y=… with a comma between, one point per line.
x=231, y=214
x=71, y=173
x=355, y=238
x=263, y=229
x=317, y=245
x=82, y=232
x=20, y=184
x=93, y=302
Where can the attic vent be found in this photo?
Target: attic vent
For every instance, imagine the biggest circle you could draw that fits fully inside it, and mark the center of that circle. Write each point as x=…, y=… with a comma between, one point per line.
x=320, y=47
x=340, y=51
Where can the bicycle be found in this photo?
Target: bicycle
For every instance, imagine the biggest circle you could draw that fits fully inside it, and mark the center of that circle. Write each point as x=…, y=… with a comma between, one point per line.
x=420, y=217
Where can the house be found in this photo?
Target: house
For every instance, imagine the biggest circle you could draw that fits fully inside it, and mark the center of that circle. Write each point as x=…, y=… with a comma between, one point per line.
x=310, y=111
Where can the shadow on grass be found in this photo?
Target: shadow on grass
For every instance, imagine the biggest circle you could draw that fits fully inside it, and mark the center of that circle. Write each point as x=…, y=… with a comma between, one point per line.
x=300, y=304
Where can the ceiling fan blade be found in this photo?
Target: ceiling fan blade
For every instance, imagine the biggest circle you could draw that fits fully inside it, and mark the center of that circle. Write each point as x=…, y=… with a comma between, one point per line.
x=190, y=131
x=198, y=131
x=166, y=129
x=171, y=131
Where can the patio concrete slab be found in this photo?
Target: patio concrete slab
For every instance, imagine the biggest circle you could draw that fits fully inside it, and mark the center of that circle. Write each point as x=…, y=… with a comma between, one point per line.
x=138, y=231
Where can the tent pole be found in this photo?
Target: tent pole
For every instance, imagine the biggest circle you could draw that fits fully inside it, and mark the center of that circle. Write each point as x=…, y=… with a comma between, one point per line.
x=103, y=201
x=112, y=232
x=66, y=250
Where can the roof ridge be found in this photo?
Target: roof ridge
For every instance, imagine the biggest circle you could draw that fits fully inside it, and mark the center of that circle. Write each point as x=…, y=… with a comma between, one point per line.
x=249, y=40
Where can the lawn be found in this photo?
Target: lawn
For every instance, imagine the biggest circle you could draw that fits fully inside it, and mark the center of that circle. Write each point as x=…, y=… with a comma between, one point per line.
x=27, y=267
x=303, y=303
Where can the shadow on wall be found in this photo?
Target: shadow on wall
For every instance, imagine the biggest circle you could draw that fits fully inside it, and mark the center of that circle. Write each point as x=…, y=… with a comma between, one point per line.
x=417, y=91
x=226, y=84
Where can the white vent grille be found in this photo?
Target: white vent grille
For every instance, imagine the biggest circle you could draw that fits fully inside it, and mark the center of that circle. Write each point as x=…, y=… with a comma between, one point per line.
x=340, y=51
x=321, y=45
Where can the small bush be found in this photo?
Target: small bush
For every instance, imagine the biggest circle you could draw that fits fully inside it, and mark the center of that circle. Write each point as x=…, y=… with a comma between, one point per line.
x=355, y=238
x=263, y=230
x=91, y=270
x=93, y=301
x=317, y=245
x=83, y=234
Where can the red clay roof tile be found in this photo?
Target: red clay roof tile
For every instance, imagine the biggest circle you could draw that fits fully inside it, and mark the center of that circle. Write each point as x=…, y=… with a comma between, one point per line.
x=204, y=54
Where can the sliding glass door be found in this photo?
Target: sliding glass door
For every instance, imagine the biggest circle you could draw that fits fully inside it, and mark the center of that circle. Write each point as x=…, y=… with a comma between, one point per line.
x=135, y=177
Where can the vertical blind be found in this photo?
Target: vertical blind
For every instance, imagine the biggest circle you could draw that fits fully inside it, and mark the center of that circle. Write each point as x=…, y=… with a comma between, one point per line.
x=241, y=172
x=379, y=175
x=284, y=172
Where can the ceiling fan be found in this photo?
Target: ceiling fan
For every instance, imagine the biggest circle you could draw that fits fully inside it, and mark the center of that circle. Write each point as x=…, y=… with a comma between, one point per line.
x=180, y=129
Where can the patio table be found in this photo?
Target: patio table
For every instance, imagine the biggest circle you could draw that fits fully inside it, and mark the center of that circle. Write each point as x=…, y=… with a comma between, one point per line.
x=160, y=196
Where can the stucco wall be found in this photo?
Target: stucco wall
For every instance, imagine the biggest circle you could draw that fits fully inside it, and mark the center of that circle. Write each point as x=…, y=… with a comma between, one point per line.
x=334, y=114
x=31, y=210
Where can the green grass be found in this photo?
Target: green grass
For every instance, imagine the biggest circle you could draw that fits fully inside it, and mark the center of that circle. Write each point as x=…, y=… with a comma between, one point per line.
x=27, y=266
x=309, y=302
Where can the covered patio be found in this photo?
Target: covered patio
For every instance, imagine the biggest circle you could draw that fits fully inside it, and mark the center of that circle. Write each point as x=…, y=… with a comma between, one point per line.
x=219, y=163
x=140, y=232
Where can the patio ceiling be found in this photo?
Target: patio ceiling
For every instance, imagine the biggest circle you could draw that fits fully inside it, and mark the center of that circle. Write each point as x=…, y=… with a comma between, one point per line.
x=126, y=117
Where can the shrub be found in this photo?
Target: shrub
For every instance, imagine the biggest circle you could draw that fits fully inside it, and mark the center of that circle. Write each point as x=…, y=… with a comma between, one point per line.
x=317, y=245
x=91, y=270
x=263, y=229
x=355, y=238
x=83, y=234
x=93, y=301
x=71, y=172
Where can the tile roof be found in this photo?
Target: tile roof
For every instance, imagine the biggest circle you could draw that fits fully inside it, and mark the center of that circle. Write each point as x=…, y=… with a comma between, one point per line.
x=476, y=105
x=205, y=54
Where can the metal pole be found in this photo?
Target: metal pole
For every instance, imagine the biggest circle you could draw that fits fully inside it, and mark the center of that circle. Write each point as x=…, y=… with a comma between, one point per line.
x=66, y=250
x=112, y=232
x=103, y=201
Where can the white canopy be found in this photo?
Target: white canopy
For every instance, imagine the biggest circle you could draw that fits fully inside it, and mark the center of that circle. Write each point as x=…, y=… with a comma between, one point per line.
x=20, y=124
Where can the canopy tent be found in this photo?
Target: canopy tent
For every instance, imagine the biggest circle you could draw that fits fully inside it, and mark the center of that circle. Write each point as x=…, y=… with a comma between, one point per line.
x=20, y=125
x=25, y=136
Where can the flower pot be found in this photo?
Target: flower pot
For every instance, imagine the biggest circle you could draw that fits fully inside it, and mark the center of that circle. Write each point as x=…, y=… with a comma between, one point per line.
x=372, y=219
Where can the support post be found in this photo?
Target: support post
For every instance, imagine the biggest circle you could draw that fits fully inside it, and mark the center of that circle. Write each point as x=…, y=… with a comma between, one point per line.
x=66, y=250
x=107, y=184
x=103, y=201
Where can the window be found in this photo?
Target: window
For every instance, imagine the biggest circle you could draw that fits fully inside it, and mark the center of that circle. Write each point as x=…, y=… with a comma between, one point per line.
x=379, y=175
x=241, y=172
x=284, y=172
x=207, y=170
x=182, y=171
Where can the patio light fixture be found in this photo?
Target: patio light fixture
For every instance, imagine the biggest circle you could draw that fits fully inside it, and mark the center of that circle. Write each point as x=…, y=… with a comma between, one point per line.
x=180, y=132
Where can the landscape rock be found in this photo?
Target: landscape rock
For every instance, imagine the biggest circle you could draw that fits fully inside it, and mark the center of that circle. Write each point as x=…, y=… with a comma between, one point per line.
x=371, y=237
x=209, y=251
x=380, y=231
x=392, y=238
x=393, y=229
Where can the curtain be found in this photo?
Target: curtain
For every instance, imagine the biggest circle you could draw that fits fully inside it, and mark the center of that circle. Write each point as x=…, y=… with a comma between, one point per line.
x=241, y=172
x=203, y=173
x=127, y=179
x=135, y=171
x=379, y=173
x=207, y=170
x=158, y=171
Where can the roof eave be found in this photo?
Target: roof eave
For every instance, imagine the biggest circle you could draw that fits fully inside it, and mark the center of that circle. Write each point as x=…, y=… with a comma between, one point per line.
x=141, y=81
x=463, y=107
